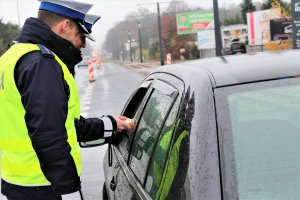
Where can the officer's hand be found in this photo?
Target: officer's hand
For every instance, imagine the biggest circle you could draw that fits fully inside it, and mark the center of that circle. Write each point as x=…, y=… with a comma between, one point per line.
x=72, y=196
x=123, y=123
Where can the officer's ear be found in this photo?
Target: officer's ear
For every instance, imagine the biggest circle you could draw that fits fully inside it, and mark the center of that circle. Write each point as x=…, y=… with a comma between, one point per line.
x=65, y=25
x=61, y=27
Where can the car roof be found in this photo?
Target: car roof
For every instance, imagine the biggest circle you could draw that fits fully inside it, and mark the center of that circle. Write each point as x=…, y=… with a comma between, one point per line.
x=238, y=69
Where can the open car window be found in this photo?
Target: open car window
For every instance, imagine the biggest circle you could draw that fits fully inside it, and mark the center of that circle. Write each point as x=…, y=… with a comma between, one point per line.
x=131, y=111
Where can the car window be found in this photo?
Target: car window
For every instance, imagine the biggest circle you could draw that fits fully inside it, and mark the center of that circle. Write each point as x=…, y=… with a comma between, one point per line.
x=159, y=158
x=259, y=131
x=131, y=111
x=147, y=132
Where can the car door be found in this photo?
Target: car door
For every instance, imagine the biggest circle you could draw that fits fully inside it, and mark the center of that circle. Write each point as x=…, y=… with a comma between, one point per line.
x=143, y=154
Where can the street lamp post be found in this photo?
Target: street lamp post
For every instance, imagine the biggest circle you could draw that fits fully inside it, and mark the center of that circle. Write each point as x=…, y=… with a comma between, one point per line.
x=140, y=42
x=217, y=28
x=159, y=33
x=123, y=56
x=129, y=40
x=160, y=37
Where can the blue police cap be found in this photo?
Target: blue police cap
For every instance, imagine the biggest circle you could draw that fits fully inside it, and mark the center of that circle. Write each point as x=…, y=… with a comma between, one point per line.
x=89, y=21
x=71, y=9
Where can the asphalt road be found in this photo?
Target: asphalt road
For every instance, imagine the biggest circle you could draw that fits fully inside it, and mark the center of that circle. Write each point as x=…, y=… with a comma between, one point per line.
x=107, y=95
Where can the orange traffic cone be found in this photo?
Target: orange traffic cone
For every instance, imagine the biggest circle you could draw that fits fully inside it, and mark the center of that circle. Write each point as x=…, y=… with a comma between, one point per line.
x=91, y=71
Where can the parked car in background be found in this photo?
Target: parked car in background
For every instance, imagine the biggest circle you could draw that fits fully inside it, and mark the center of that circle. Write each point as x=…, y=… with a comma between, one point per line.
x=235, y=47
x=223, y=128
x=84, y=62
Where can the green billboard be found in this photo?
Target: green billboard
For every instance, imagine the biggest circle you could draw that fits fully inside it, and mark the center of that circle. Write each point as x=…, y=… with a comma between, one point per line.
x=192, y=22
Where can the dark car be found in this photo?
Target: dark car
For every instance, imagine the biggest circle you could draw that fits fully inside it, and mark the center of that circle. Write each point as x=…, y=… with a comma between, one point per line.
x=224, y=128
x=235, y=47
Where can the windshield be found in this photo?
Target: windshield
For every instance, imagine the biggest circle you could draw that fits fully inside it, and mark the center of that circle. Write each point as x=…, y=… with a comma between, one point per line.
x=259, y=134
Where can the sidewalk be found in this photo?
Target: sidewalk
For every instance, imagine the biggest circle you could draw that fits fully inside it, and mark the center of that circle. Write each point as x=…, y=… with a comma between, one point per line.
x=145, y=68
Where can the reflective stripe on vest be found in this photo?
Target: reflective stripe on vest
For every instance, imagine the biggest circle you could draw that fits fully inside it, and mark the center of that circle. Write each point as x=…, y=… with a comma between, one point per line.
x=171, y=169
x=19, y=163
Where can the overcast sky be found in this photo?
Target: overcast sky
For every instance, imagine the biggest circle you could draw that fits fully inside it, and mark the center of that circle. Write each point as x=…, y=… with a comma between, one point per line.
x=111, y=11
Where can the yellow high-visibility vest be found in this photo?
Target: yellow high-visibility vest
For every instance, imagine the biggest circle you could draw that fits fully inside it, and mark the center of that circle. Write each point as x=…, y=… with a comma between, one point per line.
x=19, y=162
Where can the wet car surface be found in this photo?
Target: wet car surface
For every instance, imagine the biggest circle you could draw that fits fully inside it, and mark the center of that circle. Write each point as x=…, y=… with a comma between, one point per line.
x=221, y=128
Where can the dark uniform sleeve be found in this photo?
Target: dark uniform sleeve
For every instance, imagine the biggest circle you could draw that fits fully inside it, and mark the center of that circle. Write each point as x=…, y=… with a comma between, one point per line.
x=90, y=129
x=44, y=94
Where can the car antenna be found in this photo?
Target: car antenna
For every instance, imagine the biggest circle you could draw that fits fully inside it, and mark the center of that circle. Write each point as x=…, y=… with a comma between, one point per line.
x=223, y=59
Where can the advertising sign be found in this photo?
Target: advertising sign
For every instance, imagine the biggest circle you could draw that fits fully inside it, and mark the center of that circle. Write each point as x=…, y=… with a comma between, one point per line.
x=206, y=39
x=281, y=29
x=296, y=23
x=192, y=22
x=259, y=25
x=233, y=32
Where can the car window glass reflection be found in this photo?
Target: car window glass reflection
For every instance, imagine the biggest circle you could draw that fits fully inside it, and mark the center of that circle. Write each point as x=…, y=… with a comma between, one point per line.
x=147, y=132
x=265, y=136
x=157, y=164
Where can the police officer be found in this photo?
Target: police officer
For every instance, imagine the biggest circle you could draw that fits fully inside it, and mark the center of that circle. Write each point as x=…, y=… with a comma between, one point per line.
x=39, y=102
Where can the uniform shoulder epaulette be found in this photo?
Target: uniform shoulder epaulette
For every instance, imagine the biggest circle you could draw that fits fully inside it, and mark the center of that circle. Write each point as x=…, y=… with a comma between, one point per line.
x=45, y=51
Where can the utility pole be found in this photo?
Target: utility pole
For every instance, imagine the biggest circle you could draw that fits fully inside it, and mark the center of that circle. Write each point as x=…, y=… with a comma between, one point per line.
x=160, y=37
x=123, y=51
x=217, y=28
x=140, y=42
x=129, y=40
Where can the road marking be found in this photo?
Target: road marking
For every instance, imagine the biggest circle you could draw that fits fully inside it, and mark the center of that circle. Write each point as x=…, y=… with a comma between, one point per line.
x=86, y=100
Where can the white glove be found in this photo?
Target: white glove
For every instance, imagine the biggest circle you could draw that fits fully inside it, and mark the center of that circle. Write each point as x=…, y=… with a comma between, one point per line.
x=72, y=196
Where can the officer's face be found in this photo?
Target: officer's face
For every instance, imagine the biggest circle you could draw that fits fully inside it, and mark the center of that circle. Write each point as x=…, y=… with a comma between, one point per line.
x=74, y=35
